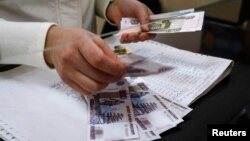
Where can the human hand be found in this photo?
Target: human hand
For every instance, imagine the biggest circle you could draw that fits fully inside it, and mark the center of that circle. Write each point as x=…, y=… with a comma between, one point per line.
x=131, y=8
x=82, y=59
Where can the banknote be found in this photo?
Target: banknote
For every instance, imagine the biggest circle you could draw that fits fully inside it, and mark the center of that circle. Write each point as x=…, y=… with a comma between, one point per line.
x=171, y=14
x=189, y=22
x=127, y=56
x=116, y=86
x=137, y=65
x=177, y=108
x=143, y=103
x=131, y=111
x=151, y=121
x=145, y=67
x=111, y=116
x=148, y=107
x=147, y=136
x=131, y=59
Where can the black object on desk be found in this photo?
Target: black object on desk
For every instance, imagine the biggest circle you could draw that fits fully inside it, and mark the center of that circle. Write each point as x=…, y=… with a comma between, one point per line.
x=7, y=67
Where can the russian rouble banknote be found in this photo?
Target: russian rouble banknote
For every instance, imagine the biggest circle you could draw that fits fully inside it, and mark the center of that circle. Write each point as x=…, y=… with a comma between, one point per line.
x=129, y=110
x=178, y=21
x=138, y=65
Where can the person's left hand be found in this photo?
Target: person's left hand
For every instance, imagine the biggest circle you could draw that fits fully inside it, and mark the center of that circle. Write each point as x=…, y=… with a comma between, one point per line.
x=130, y=8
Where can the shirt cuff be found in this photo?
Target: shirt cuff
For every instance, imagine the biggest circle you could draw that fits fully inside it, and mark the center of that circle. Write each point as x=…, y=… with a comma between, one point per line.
x=23, y=43
x=101, y=9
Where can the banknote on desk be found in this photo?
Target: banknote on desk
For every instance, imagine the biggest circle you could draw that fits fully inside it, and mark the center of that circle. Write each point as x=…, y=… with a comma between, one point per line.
x=109, y=112
x=148, y=107
x=166, y=23
x=137, y=85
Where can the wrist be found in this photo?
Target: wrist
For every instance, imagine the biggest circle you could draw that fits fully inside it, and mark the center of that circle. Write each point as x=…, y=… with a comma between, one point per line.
x=49, y=44
x=109, y=11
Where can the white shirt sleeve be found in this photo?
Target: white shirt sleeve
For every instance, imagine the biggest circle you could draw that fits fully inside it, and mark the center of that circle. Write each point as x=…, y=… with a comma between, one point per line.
x=23, y=42
x=101, y=9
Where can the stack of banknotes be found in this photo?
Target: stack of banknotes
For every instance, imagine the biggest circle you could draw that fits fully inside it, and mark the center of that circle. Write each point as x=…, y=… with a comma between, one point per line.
x=173, y=22
x=129, y=110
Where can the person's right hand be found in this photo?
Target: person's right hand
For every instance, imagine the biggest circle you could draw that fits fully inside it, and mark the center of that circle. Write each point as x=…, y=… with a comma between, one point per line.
x=82, y=59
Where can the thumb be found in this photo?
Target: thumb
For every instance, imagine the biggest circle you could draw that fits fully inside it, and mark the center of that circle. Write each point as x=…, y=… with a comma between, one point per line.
x=114, y=15
x=117, y=20
x=144, y=15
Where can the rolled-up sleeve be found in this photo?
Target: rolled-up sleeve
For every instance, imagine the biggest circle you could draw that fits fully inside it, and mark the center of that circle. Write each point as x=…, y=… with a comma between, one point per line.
x=23, y=42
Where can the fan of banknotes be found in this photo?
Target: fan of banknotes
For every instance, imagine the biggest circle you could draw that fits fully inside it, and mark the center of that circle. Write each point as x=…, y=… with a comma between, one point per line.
x=129, y=110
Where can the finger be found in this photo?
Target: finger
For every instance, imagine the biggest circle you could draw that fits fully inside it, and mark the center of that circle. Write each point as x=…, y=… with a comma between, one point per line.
x=116, y=16
x=72, y=76
x=143, y=15
x=152, y=35
x=78, y=88
x=132, y=37
x=124, y=37
x=105, y=48
x=117, y=20
x=81, y=64
x=99, y=60
x=150, y=12
x=145, y=36
x=67, y=79
x=86, y=83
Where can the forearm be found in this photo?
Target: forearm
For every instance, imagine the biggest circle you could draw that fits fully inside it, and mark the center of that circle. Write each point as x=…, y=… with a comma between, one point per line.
x=23, y=42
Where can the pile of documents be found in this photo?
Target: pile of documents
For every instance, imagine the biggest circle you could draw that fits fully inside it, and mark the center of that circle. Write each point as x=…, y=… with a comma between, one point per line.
x=129, y=110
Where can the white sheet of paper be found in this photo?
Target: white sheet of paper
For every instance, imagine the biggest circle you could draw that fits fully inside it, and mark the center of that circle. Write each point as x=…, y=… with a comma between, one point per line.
x=37, y=112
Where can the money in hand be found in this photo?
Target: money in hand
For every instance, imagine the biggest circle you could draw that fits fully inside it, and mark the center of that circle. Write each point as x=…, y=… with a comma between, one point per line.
x=189, y=22
x=127, y=56
x=136, y=64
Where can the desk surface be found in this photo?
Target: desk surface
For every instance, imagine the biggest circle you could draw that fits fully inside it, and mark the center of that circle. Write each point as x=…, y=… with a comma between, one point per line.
x=224, y=102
